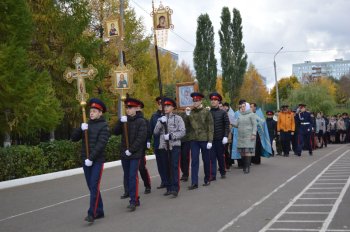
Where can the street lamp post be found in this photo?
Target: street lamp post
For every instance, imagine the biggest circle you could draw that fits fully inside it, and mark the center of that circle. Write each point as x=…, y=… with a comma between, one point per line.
x=276, y=83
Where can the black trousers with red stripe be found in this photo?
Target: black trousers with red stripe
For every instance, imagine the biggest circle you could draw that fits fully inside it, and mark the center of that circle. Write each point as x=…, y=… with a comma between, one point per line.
x=144, y=173
x=185, y=158
x=93, y=176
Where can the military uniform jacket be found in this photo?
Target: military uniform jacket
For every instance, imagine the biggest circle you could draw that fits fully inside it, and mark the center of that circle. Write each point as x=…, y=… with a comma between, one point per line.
x=176, y=129
x=137, y=134
x=304, y=121
x=202, y=128
x=98, y=135
x=221, y=123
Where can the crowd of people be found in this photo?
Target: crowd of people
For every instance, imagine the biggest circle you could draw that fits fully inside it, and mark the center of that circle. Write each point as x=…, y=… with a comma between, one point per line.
x=219, y=135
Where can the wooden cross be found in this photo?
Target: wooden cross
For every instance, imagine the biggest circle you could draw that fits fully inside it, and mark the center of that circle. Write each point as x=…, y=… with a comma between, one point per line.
x=80, y=74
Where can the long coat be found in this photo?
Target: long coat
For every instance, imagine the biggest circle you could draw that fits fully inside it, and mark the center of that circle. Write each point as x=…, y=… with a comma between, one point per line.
x=247, y=126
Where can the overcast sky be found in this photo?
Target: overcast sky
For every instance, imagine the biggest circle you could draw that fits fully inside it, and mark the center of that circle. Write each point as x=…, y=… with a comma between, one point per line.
x=316, y=30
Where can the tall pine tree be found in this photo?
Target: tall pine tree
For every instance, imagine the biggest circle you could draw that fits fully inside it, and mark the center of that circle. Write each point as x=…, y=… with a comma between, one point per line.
x=233, y=56
x=203, y=55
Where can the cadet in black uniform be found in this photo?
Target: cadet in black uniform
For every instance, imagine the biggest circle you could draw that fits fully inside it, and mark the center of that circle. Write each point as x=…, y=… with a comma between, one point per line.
x=132, y=152
x=303, y=118
x=220, y=138
x=98, y=135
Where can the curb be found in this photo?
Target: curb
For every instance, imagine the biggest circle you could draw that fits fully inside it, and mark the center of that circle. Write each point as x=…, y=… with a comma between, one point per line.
x=55, y=175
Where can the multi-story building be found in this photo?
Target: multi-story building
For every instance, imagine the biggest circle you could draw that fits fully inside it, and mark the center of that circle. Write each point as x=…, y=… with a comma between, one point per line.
x=164, y=51
x=314, y=70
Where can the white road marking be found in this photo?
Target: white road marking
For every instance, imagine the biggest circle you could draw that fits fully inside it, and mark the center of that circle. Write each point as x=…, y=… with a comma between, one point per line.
x=291, y=203
x=335, y=207
x=234, y=220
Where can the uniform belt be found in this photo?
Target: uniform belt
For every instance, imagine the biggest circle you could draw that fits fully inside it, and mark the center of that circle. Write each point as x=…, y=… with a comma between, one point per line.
x=304, y=123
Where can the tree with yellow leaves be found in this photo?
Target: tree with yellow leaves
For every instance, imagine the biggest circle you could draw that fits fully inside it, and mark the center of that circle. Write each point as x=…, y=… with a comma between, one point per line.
x=253, y=88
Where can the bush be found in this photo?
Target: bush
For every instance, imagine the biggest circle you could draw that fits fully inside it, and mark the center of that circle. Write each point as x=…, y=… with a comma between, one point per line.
x=22, y=161
x=62, y=155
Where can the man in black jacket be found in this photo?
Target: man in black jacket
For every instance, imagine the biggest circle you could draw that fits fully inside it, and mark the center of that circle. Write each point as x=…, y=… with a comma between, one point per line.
x=159, y=158
x=221, y=130
x=132, y=147
x=98, y=134
x=272, y=127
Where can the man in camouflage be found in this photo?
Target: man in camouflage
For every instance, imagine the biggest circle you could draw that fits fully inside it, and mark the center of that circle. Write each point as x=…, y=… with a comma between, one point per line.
x=201, y=133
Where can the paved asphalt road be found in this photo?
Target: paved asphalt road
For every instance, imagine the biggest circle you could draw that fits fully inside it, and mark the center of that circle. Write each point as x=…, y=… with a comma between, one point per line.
x=308, y=193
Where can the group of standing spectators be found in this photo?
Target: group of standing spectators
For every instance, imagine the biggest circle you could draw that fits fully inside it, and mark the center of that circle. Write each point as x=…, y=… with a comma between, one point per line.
x=304, y=130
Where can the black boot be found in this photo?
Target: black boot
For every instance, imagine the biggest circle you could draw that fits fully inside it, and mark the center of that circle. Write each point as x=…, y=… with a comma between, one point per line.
x=244, y=163
x=247, y=164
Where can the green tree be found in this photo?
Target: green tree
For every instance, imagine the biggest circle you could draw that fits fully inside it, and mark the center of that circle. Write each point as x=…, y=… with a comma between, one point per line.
x=315, y=96
x=28, y=102
x=285, y=87
x=203, y=56
x=233, y=56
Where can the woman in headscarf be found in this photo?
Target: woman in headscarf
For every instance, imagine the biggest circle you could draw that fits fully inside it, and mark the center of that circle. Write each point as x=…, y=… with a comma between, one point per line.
x=247, y=128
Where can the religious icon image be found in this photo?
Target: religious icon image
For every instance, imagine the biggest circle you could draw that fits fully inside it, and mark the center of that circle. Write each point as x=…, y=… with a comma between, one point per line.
x=162, y=22
x=183, y=94
x=113, y=28
x=81, y=87
x=122, y=80
x=162, y=18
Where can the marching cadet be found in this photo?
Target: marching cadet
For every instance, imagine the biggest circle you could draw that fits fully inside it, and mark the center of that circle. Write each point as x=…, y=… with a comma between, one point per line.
x=142, y=168
x=159, y=157
x=171, y=129
x=132, y=147
x=272, y=128
x=98, y=134
x=220, y=136
x=285, y=128
x=202, y=128
x=303, y=118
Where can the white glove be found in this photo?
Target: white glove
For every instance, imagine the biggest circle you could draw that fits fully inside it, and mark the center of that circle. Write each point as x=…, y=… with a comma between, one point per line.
x=167, y=136
x=84, y=126
x=163, y=119
x=88, y=163
x=128, y=153
x=148, y=145
x=188, y=111
x=224, y=140
x=209, y=145
x=124, y=119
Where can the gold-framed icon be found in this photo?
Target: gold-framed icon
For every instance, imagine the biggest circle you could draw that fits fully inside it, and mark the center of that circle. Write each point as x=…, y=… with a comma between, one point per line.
x=122, y=79
x=162, y=18
x=113, y=26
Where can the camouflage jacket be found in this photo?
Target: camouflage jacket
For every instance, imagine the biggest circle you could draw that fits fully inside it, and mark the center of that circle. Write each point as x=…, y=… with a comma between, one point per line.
x=202, y=126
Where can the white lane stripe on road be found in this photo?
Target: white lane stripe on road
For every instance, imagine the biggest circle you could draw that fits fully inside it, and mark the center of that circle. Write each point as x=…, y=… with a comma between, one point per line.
x=242, y=214
x=305, y=212
x=335, y=207
x=290, y=204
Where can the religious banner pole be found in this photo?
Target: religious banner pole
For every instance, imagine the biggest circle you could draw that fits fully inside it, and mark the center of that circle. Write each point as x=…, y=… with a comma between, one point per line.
x=161, y=21
x=80, y=74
